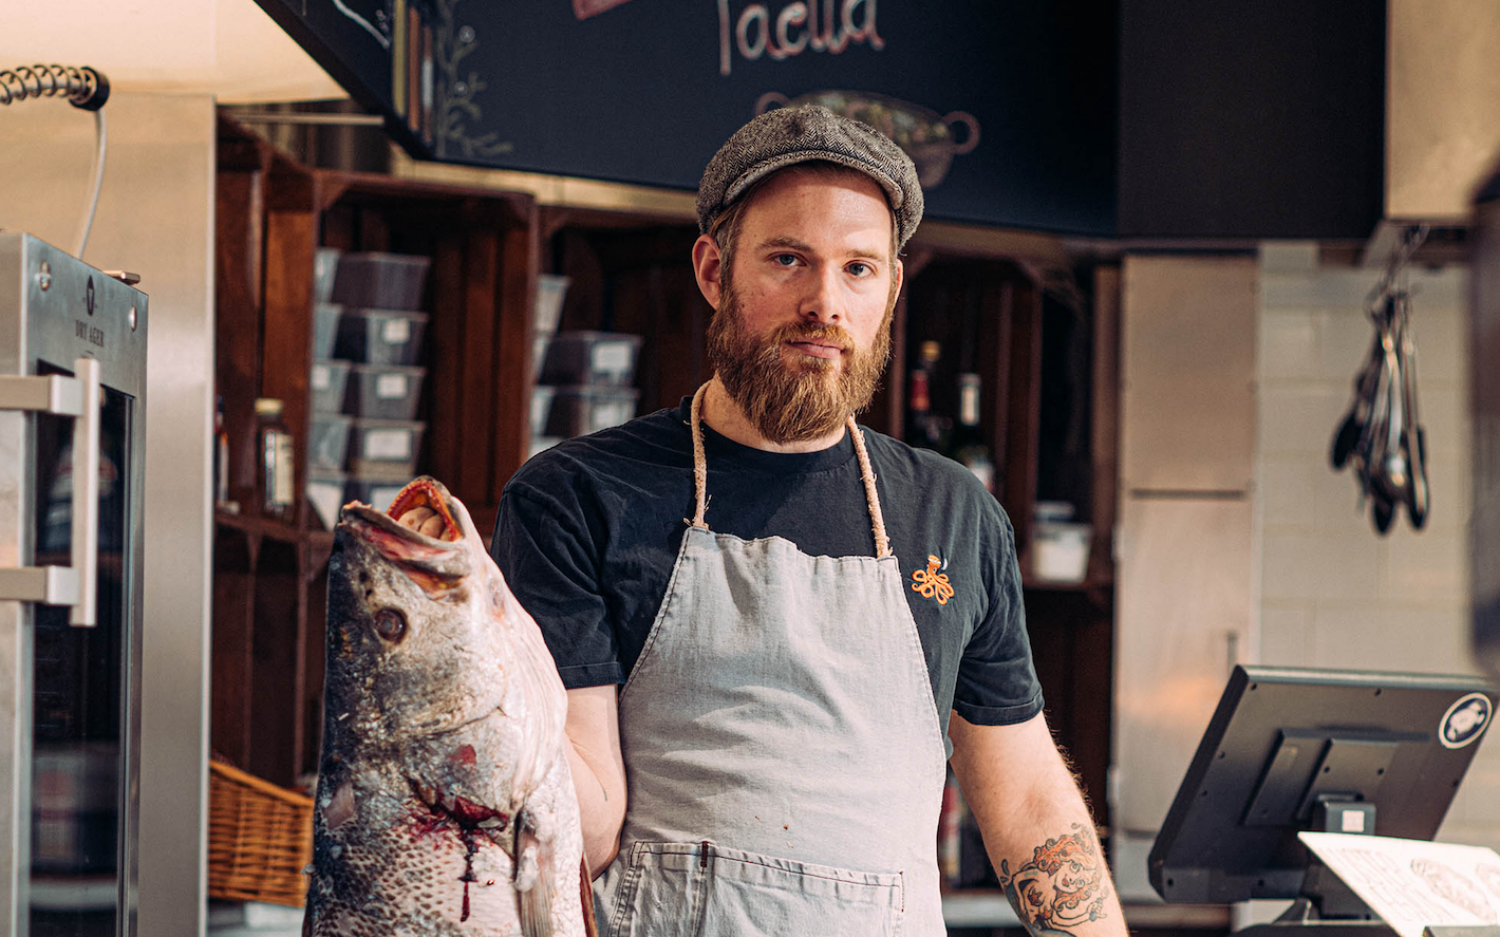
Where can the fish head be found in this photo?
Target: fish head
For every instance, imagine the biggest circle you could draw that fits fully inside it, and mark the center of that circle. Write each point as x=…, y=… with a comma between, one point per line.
x=415, y=620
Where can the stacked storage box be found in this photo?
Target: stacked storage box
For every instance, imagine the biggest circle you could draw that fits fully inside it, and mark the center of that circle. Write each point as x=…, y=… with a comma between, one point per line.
x=366, y=381
x=550, y=292
x=584, y=380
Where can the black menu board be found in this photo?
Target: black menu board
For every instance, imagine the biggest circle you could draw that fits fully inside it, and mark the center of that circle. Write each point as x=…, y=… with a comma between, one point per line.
x=1006, y=106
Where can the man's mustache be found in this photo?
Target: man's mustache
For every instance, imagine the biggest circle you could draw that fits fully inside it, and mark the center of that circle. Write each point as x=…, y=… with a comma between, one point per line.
x=806, y=331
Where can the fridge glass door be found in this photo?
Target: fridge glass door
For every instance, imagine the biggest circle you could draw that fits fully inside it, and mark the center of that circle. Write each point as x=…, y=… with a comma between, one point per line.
x=80, y=799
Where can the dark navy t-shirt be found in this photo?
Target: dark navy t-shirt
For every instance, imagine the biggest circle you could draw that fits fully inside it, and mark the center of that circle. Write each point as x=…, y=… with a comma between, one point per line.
x=588, y=534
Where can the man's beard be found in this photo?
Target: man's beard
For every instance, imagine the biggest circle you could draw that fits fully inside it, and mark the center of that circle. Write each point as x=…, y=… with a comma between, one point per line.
x=798, y=398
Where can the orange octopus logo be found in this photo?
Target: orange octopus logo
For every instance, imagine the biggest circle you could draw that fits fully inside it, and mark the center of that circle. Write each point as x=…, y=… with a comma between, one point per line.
x=931, y=584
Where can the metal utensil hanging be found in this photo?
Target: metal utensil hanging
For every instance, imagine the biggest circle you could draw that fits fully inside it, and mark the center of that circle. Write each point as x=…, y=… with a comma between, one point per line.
x=1381, y=437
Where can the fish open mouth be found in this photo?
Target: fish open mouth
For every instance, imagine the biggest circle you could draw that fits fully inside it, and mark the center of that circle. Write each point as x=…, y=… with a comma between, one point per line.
x=422, y=533
x=423, y=507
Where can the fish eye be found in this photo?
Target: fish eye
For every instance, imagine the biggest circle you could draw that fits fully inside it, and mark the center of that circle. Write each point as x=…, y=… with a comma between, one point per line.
x=390, y=624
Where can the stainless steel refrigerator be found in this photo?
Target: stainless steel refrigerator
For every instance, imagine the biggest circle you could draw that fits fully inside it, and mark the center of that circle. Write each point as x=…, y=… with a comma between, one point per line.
x=72, y=452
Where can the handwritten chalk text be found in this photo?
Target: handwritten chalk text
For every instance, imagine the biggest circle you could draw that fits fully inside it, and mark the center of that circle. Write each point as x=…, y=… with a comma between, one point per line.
x=819, y=25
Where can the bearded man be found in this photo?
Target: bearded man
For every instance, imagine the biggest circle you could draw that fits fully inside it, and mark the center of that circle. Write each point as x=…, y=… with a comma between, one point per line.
x=761, y=704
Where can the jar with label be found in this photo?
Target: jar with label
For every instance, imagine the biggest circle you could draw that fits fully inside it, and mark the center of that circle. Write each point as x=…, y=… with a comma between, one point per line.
x=275, y=460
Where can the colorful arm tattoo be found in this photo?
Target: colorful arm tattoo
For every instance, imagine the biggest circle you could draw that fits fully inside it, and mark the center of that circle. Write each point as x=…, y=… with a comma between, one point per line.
x=1062, y=886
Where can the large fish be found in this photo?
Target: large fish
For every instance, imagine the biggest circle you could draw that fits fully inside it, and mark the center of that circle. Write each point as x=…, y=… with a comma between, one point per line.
x=445, y=804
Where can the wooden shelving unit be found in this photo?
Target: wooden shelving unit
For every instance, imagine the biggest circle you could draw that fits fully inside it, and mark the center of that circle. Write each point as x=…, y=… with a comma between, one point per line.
x=270, y=575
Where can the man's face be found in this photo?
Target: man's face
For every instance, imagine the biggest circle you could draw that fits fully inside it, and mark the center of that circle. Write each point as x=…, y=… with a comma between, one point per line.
x=802, y=330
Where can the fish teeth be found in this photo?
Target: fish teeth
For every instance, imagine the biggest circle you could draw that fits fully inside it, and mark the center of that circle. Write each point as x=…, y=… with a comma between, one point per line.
x=492, y=823
x=428, y=794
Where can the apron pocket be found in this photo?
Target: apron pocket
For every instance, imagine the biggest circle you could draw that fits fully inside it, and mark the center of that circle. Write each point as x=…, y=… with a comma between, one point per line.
x=674, y=890
x=660, y=893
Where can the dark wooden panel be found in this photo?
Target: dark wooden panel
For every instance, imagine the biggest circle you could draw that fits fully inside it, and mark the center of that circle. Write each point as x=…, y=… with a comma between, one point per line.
x=239, y=229
x=445, y=347
x=231, y=656
x=682, y=338
x=275, y=710
x=291, y=239
x=475, y=369
x=1023, y=416
x=1106, y=421
x=520, y=256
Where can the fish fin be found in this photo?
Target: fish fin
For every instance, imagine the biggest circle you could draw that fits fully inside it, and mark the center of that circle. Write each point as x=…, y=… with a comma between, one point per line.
x=533, y=881
x=536, y=907
x=586, y=890
x=535, y=827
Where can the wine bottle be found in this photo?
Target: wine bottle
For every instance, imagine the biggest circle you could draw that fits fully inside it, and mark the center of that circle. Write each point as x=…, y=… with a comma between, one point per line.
x=968, y=445
x=919, y=412
x=924, y=428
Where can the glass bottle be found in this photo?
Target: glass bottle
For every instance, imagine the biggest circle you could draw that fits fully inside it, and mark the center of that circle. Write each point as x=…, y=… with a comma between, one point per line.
x=918, y=410
x=221, y=461
x=924, y=429
x=275, y=460
x=968, y=445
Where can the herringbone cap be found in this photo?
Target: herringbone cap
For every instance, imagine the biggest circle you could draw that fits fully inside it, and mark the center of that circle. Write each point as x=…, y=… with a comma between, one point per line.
x=786, y=136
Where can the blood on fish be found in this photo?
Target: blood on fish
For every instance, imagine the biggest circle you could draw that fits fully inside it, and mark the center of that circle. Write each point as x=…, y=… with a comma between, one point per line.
x=470, y=847
x=464, y=756
x=471, y=814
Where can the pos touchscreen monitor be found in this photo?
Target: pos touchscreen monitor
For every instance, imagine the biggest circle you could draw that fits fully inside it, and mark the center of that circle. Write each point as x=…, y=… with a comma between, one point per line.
x=1292, y=749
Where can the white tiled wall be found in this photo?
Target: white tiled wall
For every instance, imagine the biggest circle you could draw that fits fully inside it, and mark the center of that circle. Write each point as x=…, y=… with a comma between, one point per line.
x=1333, y=593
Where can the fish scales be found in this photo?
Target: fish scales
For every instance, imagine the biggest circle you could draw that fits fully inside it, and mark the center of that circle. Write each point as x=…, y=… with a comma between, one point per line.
x=445, y=804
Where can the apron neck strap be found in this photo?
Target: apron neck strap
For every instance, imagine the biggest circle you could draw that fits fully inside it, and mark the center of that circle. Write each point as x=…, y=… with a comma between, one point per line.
x=866, y=474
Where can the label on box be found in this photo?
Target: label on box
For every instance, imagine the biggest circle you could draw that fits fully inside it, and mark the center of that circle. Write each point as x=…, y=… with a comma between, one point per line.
x=321, y=379
x=390, y=386
x=396, y=332
x=388, y=444
x=612, y=357
x=606, y=415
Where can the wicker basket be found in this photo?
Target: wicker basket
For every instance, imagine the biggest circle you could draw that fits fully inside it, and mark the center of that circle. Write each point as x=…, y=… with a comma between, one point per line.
x=259, y=838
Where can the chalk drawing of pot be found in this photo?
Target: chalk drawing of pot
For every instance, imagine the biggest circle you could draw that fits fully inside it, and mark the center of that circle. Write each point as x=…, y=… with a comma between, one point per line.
x=928, y=137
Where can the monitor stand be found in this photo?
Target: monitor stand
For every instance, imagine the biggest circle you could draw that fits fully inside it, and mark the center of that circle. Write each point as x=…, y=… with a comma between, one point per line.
x=1326, y=908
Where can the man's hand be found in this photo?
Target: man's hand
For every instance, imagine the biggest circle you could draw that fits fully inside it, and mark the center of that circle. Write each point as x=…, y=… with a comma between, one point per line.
x=593, y=729
x=1036, y=828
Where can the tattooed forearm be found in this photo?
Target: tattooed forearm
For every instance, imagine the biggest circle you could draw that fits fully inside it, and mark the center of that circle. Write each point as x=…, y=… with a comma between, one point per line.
x=1063, y=886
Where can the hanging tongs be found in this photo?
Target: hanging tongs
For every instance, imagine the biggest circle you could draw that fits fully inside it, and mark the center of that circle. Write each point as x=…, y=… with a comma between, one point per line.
x=1381, y=436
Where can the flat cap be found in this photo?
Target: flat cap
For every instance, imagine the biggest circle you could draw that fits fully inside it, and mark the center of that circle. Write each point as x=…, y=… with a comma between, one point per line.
x=786, y=136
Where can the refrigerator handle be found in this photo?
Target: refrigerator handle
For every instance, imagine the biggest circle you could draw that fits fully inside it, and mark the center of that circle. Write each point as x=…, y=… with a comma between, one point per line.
x=86, y=495
x=76, y=397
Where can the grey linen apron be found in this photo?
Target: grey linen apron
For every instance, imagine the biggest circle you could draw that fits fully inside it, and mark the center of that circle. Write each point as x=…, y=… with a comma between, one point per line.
x=783, y=753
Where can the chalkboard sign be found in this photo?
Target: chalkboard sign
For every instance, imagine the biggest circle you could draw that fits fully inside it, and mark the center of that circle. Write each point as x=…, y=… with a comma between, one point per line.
x=1007, y=106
